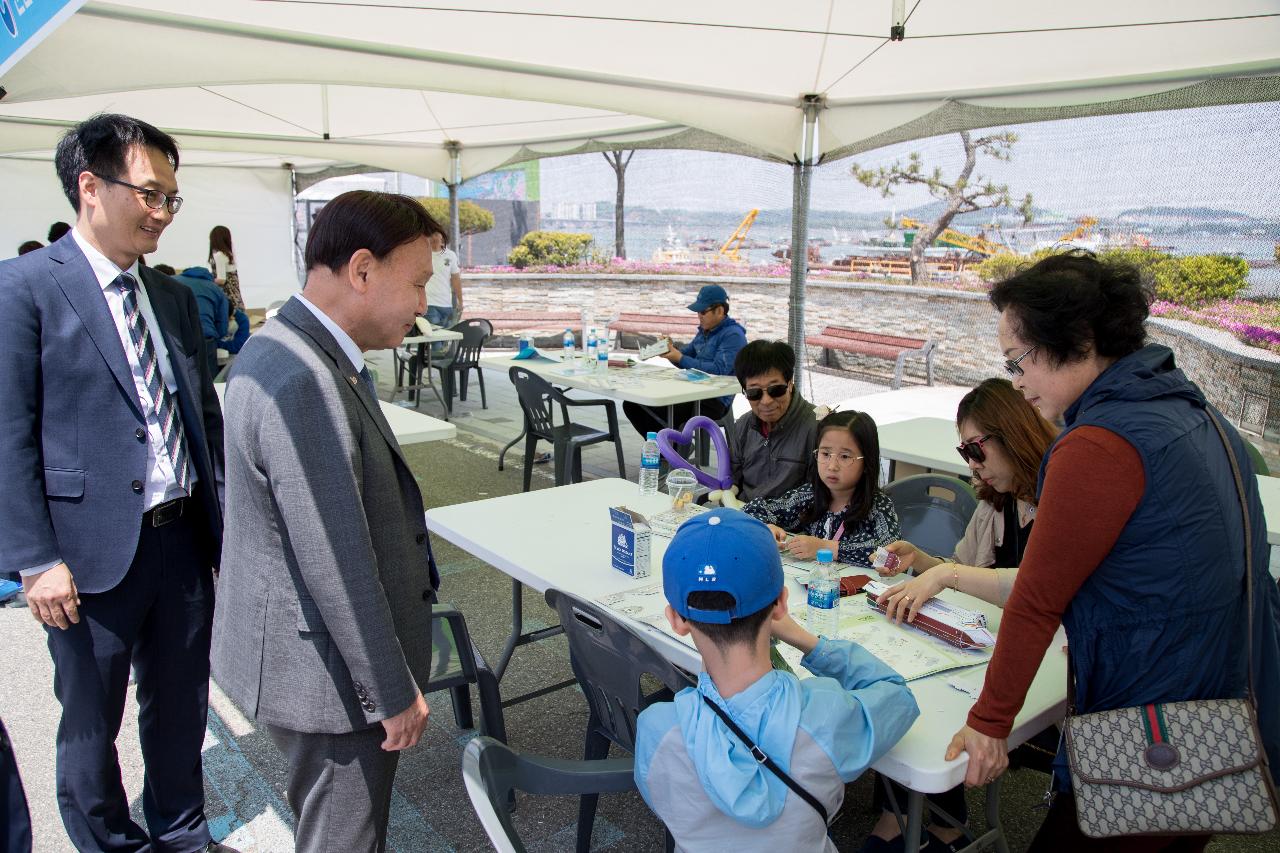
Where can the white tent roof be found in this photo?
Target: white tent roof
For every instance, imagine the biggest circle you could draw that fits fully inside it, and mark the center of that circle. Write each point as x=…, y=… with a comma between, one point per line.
x=392, y=83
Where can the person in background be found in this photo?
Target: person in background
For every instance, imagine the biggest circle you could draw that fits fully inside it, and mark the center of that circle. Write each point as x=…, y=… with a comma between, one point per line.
x=841, y=507
x=166, y=269
x=444, y=291
x=1003, y=438
x=29, y=246
x=1139, y=536
x=712, y=350
x=723, y=582
x=770, y=447
x=222, y=260
x=215, y=310
x=112, y=512
x=57, y=231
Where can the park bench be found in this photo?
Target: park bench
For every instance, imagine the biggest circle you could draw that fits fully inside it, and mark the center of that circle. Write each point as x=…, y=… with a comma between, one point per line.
x=889, y=347
x=679, y=325
x=516, y=324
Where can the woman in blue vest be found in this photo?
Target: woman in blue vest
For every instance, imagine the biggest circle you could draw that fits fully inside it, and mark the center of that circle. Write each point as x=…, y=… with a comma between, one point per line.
x=1139, y=542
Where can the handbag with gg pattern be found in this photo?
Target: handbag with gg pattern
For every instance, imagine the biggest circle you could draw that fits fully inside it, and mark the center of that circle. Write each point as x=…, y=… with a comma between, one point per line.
x=1177, y=767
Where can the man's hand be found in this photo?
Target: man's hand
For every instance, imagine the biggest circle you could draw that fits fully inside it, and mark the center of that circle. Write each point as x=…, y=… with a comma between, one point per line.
x=404, y=730
x=53, y=597
x=672, y=354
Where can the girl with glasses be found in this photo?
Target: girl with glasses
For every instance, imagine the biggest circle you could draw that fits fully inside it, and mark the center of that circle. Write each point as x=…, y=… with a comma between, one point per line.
x=841, y=506
x=1003, y=438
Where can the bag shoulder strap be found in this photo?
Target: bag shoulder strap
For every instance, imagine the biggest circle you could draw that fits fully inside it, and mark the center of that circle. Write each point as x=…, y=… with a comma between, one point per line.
x=768, y=762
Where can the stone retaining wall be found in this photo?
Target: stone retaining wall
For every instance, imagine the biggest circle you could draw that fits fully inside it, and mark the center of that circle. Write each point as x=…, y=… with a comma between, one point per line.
x=1242, y=381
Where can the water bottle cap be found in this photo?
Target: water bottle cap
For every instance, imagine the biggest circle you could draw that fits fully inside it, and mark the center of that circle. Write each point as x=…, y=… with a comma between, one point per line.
x=824, y=555
x=653, y=436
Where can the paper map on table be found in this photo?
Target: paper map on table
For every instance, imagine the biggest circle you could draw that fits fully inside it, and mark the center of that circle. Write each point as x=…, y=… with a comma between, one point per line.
x=912, y=654
x=909, y=652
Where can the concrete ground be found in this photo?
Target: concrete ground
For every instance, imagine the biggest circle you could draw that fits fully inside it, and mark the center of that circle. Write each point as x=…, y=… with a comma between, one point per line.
x=430, y=810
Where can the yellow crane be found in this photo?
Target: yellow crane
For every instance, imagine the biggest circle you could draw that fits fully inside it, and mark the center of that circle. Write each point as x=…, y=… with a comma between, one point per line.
x=1084, y=226
x=962, y=240
x=729, y=251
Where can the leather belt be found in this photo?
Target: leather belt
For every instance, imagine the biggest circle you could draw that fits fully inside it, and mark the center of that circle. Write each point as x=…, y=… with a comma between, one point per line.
x=159, y=516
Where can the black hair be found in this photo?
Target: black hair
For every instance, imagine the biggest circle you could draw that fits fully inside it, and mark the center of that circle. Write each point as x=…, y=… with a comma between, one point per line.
x=30, y=246
x=363, y=219
x=1071, y=301
x=57, y=231
x=740, y=631
x=101, y=144
x=759, y=357
x=165, y=268
x=862, y=427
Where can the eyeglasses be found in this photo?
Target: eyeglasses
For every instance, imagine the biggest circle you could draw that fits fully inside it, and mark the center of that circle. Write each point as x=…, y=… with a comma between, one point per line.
x=841, y=458
x=153, y=199
x=1014, y=365
x=775, y=391
x=973, y=450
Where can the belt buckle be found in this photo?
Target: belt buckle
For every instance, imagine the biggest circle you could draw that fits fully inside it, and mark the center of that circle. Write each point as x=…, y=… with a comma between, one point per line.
x=166, y=512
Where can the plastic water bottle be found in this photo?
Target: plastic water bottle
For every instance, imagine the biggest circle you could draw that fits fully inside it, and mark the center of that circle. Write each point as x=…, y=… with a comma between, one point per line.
x=649, y=461
x=591, y=346
x=568, y=346
x=824, y=597
x=602, y=360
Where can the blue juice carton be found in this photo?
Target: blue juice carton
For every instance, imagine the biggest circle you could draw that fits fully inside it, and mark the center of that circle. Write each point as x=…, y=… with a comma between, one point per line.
x=631, y=541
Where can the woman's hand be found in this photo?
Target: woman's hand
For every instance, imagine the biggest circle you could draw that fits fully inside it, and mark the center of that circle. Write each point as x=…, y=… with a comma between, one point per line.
x=779, y=535
x=905, y=600
x=908, y=555
x=806, y=547
x=988, y=756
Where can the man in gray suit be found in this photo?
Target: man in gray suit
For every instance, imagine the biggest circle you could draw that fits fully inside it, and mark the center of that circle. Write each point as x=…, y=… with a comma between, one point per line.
x=322, y=627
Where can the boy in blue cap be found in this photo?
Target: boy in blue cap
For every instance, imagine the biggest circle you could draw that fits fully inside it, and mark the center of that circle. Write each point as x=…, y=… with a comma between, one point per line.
x=712, y=350
x=722, y=577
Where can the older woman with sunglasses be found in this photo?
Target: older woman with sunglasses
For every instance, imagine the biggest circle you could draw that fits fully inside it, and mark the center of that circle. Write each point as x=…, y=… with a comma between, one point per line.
x=1003, y=438
x=1139, y=542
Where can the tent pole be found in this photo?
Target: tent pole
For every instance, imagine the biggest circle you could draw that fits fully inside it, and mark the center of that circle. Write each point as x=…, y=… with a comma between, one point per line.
x=802, y=172
x=455, y=179
x=295, y=249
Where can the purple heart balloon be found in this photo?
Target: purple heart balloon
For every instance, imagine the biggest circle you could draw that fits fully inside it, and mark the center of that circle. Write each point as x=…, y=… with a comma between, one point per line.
x=723, y=477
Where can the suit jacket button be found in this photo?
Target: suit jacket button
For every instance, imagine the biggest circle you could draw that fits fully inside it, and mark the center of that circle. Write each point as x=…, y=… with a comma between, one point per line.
x=421, y=537
x=136, y=485
x=140, y=434
x=368, y=706
x=357, y=685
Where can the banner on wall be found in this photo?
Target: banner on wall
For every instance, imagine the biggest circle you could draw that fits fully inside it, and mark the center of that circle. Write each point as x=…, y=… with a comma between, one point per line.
x=26, y=23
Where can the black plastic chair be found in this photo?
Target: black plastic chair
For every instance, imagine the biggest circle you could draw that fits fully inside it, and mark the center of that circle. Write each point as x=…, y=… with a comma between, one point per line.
x=456, y=664
x=493, y=772
x=461, y=358
x=933, y=510
x=609, y=658
x=538, y=401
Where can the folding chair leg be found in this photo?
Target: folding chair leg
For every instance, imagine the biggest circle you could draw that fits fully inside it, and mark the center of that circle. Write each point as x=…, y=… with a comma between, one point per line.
x=597, y=747
x=530, y=447
x=510, y=444
x=461, y=697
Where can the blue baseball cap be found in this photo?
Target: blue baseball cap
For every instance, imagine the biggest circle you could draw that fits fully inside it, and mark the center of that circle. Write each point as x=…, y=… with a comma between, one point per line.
x=724, y=550
x=711, y=294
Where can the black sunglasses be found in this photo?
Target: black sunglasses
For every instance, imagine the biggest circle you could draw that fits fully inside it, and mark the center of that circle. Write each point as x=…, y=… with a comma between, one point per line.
x=972, y=450
x=775, y=391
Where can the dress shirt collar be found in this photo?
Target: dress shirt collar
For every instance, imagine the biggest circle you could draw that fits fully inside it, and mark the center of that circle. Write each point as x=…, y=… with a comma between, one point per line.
x=104, y=269
x=348, y=346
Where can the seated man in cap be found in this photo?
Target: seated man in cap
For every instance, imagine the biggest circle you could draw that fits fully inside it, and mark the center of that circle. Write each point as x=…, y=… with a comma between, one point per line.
x=712, y=350
x=723, y=581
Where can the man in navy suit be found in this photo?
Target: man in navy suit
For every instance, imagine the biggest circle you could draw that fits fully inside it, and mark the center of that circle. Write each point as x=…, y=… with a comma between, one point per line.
x=111, y=455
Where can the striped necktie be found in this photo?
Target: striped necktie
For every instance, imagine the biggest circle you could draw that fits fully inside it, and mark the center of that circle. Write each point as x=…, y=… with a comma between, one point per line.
x=162, y=404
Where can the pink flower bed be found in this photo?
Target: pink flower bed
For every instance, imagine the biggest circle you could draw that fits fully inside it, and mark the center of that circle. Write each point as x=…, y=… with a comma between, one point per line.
x=1254, y=323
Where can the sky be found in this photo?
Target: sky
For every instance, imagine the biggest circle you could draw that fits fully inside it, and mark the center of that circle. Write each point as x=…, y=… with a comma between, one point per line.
x=1222, y=157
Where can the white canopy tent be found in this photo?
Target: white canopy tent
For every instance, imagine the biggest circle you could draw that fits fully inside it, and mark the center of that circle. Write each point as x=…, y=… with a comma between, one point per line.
x=451, y=90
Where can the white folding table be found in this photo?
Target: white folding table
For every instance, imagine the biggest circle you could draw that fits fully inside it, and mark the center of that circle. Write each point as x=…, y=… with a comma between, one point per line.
x=927, y=442
x=408, y=427
x=560, y=538
x=422, y=367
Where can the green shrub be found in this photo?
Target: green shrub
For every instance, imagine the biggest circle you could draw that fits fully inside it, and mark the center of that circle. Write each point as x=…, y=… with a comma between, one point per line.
x=550, y=248
x=472, y=218
x=999, y=267
x=1194, y=279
